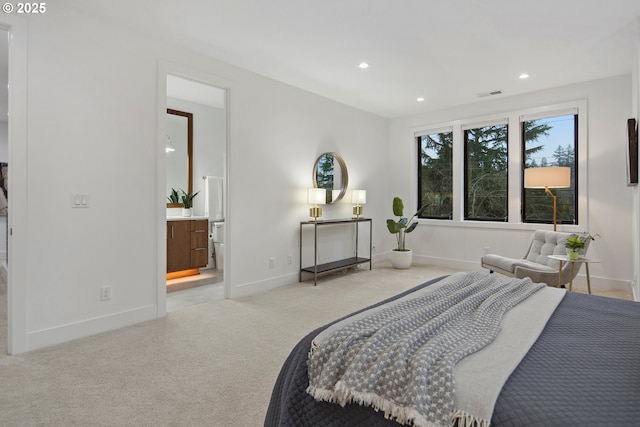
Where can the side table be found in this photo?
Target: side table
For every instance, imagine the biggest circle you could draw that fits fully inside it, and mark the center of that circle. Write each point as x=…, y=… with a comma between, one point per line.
x=565, y=258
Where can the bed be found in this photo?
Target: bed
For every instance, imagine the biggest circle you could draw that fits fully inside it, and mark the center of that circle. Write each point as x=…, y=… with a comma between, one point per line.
x=582, y=368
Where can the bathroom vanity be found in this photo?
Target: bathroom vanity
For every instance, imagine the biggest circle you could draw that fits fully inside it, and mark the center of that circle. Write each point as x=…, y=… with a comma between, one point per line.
x=187, y=243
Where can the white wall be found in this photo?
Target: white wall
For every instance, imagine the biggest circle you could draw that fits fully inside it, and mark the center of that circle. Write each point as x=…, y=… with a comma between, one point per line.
x=93, y=110
x=282, y=134
x=609, y=199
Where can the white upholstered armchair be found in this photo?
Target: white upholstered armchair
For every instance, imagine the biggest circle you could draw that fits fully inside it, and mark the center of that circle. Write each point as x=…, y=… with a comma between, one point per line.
x=535, y=263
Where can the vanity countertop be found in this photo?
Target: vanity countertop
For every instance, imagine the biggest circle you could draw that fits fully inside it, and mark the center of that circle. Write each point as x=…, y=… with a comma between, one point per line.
x=186, y=218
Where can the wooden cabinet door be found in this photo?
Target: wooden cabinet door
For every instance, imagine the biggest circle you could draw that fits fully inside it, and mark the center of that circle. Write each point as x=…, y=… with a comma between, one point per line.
x=199, y=243
x=178, y=245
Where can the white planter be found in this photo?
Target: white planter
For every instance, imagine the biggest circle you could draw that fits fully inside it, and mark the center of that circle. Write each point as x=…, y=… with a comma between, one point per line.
x=186, y=212
x=401, y=259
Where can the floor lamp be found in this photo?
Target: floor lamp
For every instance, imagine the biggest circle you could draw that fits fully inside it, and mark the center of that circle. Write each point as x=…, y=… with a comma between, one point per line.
x=548, y=177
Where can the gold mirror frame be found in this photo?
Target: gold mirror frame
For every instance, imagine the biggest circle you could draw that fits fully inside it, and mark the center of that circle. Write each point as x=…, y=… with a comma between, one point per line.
x=189, y=171
x=330, y=187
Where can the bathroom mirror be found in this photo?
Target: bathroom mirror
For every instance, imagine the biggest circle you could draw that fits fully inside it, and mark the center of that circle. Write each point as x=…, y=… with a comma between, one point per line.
x=179, y=149
x=330, y=173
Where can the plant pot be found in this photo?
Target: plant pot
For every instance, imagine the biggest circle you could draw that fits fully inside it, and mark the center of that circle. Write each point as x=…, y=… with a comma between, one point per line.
x=186, y=212
x=401, y=259
x=573, y=255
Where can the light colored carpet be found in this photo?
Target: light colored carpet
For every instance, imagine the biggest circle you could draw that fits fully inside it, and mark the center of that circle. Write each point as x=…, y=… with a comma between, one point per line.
x=211, y=364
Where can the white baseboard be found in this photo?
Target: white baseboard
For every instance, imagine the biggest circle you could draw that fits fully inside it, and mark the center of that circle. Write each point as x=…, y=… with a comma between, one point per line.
x=263, y=285
x=72, y=331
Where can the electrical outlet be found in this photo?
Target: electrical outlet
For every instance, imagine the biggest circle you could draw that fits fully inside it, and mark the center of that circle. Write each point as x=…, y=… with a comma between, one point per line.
x=105, y=293
x=272, y=262
x=289, y=259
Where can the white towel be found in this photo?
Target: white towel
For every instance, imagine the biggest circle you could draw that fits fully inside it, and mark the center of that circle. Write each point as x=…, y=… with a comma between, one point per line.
x=213, y=198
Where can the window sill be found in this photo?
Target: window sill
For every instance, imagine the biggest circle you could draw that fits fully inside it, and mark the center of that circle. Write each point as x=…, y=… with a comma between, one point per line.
x=490, y=225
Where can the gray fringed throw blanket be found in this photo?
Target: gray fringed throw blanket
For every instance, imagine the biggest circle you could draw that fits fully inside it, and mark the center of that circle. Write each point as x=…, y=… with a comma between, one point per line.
x=400, y=359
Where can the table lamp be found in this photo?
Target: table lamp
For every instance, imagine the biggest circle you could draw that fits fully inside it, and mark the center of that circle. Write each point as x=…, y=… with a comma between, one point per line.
x=358, y=198
x=315, y=197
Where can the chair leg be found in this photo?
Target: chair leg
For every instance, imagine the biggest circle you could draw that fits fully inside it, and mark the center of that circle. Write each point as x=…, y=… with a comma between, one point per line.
x=490, y=271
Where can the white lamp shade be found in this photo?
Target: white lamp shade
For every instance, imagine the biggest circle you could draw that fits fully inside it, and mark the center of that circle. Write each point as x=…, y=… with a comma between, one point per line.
x=552, y=177
x=359, y=197
x=316, y=196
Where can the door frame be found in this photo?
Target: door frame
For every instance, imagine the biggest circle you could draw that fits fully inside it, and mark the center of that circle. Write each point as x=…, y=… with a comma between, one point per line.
x=17, y=219
x=165, y=69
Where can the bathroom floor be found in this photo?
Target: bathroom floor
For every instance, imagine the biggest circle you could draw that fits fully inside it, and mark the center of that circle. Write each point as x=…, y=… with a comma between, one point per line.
x=186, y=291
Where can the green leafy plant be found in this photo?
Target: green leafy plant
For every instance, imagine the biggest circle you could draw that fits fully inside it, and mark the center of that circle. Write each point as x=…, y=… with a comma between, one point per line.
x=403, y=225
x=174, y=197
x=574, y=243
x=187, y=198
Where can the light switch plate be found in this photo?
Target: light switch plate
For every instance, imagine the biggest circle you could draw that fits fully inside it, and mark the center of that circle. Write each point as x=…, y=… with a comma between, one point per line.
x=79, y=200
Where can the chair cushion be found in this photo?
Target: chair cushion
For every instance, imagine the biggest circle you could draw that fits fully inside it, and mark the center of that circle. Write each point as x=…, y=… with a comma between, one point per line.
x=534, y=266
x=545, y=243
x=499, y=262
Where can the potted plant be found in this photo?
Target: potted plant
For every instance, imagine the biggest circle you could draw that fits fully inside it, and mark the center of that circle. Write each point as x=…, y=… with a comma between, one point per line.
x=187, y=202
x=174, y=199
x=573, y=245
x=401, y=256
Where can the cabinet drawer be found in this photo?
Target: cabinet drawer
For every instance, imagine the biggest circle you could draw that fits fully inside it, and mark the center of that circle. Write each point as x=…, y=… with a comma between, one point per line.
x=199, y=225
x=199, y=257
x=199, y=239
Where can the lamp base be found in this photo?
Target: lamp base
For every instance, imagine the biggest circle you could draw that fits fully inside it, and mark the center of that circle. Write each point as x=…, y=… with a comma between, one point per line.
x=357, y=211
x=315, y=212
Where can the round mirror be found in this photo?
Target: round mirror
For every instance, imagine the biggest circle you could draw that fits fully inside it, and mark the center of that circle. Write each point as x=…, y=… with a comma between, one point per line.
x=330, y=173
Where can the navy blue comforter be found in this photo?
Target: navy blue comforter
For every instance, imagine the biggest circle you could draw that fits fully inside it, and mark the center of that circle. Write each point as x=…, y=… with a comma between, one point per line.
x=584, y=369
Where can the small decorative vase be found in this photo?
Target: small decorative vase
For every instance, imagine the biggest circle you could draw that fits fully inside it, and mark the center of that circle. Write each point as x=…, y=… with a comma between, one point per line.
x=573, y=255
x=401, y=259
x=186, y=212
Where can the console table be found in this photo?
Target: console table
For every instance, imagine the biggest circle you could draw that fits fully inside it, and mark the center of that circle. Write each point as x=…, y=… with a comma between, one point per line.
x=316, y=268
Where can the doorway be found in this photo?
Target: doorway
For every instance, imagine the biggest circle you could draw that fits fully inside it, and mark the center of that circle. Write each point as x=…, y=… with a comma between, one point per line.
x=200, y=169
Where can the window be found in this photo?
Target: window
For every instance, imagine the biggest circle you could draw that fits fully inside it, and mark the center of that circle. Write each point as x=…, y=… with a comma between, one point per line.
x=435, y=175
x=550, y=141
x=472, y=169
x=486, y=173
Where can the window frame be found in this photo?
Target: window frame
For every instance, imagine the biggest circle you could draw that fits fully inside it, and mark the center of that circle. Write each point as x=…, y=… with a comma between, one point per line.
x=418, y=139
x=515, y=168
x=465, y=169
x=576, y=149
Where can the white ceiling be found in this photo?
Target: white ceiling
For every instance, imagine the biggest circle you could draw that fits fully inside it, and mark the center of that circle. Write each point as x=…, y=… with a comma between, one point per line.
x=444, y=50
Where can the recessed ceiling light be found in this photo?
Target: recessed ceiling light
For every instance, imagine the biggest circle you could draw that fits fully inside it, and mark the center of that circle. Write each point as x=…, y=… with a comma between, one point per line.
x=524, y=76
x=364, y=65
x=420, y=99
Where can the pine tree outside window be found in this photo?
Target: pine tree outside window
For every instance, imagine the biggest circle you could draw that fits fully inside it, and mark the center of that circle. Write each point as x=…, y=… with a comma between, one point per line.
x=486, y=173
x=435, y=175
